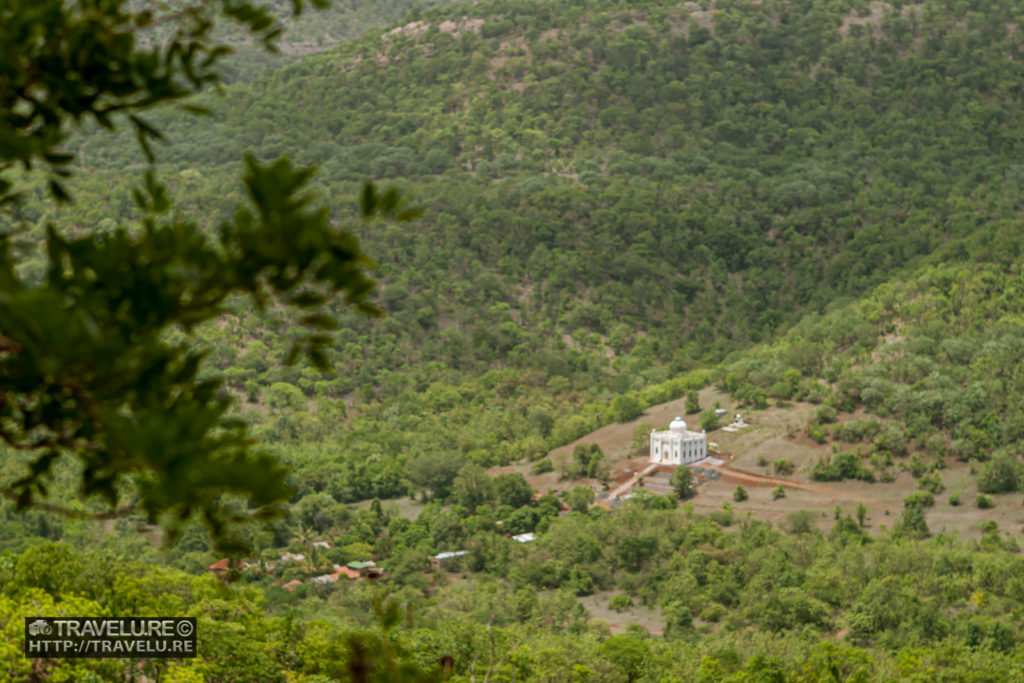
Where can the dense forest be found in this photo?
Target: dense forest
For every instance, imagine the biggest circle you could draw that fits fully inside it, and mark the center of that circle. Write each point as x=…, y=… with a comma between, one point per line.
x=622, y=203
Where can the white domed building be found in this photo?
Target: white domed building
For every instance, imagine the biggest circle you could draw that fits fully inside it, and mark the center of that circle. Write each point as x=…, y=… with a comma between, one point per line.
x=677, y=445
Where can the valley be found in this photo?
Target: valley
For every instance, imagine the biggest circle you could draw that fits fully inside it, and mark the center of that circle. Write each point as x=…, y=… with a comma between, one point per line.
x=422, y=283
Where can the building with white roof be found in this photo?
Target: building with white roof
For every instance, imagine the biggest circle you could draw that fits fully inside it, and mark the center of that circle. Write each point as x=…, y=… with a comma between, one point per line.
x=443, y=560
x=677, y=445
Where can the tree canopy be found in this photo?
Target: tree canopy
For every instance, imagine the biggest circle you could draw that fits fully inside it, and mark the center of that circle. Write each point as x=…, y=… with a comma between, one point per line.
x=86, y=361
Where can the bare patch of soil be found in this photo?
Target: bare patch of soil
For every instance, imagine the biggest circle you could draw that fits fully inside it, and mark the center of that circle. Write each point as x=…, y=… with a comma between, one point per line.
x=597, y=605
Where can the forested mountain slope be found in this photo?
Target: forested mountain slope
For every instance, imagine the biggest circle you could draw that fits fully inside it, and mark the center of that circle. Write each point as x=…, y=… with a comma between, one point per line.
x=624, y=202
x=688, y=183
x=613, y=195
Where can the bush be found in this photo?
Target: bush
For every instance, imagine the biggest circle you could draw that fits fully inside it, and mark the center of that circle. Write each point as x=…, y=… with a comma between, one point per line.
x=784, y=466
x=843, y=465
x=931, y=482
x=620, y=603
x=825, y=414
x=912, y=523
x=800, y=522
x=722, y=517
x=740, y=494
x=1000, y=474
x=709, y=420
x=625, y=408
x=542, y=466
x=954, y=499
x=778, y=492
x=817, y=432
x=984, y=502
x=892, y=438
x=692, y=402
x=920, y=499
x=916, y=466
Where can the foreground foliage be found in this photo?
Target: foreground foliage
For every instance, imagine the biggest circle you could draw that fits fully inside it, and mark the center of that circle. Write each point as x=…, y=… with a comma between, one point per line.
x=742, y=604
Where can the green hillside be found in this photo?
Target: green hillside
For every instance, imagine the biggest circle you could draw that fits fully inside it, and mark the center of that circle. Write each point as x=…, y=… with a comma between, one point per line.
x=612, y=195
x=623, y=203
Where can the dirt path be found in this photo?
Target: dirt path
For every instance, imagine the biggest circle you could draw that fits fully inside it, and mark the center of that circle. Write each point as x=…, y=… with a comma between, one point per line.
x=732, y=474
x=736, y=476
x=624, y=488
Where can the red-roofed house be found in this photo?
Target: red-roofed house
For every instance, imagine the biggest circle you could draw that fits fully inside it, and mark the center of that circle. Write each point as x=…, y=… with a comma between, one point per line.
x=221, y=565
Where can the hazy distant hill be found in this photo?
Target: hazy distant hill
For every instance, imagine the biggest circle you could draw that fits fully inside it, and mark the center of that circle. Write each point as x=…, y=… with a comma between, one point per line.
x=313, y=31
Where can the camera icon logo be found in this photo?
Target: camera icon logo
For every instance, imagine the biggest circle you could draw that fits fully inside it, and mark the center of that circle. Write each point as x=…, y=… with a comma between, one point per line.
x=39, y=628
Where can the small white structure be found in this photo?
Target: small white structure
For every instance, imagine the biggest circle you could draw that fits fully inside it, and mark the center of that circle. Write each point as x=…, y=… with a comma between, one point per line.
x=443, y=560
x=325, y=578
x=677, y=445
x=736, y=425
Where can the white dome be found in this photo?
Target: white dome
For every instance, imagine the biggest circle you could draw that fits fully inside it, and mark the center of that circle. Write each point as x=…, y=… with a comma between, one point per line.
x=678, y=425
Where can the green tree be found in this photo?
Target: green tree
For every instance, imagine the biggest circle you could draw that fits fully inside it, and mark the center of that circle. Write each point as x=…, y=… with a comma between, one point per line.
x=692, y=404
x=635, y=551
x=435, y=472
x=641, y=440
x=682, y=483
x=86, y=360
x=625, y=408
x=740, y=494
x=1000, y=474
x=473, y=487
x=285, y=397
x=709, y=420
x=627, y=653
x=315, y=510
x=512, y=489
x=912, y=522
x=580, y=498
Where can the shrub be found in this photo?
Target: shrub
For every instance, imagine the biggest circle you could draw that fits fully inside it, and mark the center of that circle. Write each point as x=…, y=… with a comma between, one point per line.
x=825, y=414
x=916, y=466
x=620, y=603
x=800, y=522
x=692, y=402
x=920, y=499
x=843, y=465
x=817, y=432
x=542, y=466
x=784, y=466
x=778, y=492
x=912, y=522
x=1000, y=474
x=931, y=482
x=984, y=502
x=709, y=420
x=721, y=517
x=954, y=499
x=740, y=494
x=625, y=408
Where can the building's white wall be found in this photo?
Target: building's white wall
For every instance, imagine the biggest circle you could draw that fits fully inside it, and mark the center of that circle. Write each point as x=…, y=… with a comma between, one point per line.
x=666, y=448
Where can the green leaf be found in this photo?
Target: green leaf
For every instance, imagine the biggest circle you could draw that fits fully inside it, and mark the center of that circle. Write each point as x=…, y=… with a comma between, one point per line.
x=320, y=321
